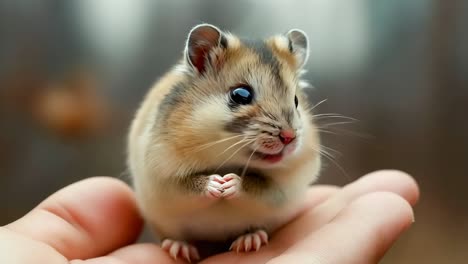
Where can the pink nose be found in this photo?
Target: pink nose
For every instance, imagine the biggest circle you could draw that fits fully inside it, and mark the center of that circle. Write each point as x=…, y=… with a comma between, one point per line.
x=286, y=136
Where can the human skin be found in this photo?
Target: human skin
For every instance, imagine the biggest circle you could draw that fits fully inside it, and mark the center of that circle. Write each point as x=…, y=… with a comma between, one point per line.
x=96, y=221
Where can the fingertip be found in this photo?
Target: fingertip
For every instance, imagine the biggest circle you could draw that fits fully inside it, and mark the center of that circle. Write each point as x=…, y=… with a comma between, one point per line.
x=109, y=209
x=86, y=219
x=396, y=210
x=101, y=202
x=146, y=253
x=120, y=188
x=398, y=181
x=360, y=233
x=386, y=214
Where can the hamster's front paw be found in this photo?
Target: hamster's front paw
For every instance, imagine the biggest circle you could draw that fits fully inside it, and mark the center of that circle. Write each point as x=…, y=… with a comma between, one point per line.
x=250, y=241
x=180, y=249
x=231, y=186
x=223, y=187
x=214, y=187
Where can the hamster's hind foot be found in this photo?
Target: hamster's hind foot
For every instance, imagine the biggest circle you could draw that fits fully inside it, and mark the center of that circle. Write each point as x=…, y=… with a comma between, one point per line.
x=180, y=249
x=250, y=241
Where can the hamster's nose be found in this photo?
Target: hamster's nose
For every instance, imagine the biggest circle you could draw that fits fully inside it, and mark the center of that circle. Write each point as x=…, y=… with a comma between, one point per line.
x=287, y=135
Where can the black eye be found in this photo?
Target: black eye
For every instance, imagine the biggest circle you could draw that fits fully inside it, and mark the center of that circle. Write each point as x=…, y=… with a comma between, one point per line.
x=242, y=95
x=296, y=102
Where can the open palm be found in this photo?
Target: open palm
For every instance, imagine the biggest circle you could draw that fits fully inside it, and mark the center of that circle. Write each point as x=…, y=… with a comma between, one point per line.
x=96, y=221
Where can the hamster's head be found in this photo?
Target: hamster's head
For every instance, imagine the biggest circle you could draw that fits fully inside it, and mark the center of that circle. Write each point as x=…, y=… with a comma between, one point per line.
x=242, y=101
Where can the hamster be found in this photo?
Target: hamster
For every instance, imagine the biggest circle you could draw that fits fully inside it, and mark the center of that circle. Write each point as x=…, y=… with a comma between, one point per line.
x=223, y=147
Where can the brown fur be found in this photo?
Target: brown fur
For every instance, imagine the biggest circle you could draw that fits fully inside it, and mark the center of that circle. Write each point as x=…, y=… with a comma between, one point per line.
x=283, y=53
x=170, y=156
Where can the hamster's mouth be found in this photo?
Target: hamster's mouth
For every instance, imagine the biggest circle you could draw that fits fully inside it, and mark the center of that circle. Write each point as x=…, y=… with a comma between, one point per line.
x=270, y=158
x=275, y=157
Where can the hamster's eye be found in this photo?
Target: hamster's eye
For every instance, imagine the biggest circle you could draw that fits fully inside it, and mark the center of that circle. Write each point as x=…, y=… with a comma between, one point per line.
x=296, y=102
x=242, y=95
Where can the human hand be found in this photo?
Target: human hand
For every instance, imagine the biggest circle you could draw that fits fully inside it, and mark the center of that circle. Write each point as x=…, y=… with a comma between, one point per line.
x=354, y=224
x=96, y=221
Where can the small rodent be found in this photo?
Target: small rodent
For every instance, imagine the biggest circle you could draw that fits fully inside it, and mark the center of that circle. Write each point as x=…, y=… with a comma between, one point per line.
x=223, y=147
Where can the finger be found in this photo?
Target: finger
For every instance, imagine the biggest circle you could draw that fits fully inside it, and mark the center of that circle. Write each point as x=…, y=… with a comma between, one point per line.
x=15, y=248
x=86, y=219
x=318, y=194
x=144, y=254
x=133, y=254
x=361, y=233
x=315, y=195
x=390, y=181
x=387, y=180
x=394, y=181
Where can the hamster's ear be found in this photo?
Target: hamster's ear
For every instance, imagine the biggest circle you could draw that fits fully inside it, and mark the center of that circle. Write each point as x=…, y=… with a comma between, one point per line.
x=298, y=45
x=202, y=41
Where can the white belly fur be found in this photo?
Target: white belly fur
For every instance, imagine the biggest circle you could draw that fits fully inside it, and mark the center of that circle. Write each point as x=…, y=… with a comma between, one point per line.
x=220, y=220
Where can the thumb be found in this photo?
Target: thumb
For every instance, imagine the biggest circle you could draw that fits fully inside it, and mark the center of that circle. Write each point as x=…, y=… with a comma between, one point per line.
x=361, y=233
x=86, y=219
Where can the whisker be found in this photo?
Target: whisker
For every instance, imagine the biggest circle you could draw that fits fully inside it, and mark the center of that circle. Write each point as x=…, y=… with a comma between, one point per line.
x=345, y=132
x=332, y=115
x=317, y=104
x=210, y=144
x=325, y=114
x=233, y=145
x=235, y=152
x=330, y=157
x=326, y=131
x=248, y=161
x=332, y=150
x=335, y=123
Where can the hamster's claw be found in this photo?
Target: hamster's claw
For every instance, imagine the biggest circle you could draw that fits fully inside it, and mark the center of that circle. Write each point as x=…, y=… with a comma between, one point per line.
x=250, y=242
x=179, y=248
x=232, y=185
x=214, y=188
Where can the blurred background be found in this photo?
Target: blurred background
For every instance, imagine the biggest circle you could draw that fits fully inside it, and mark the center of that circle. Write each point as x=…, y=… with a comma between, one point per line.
x=72, y=73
